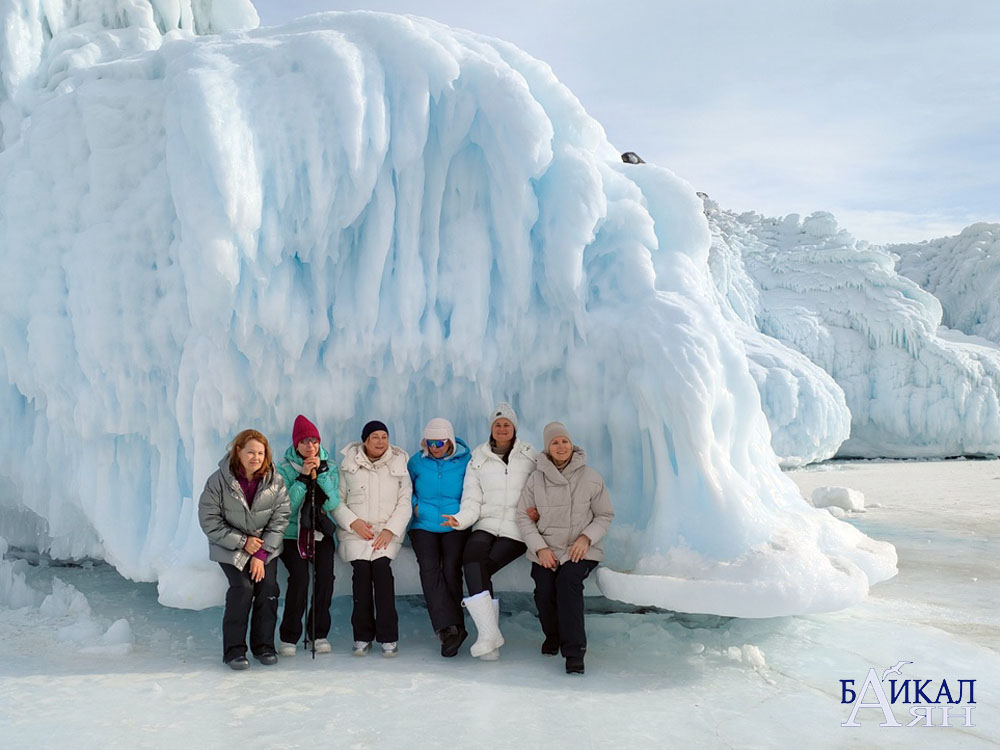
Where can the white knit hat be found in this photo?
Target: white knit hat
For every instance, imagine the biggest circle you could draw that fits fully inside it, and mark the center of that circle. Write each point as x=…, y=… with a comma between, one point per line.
x=505, y=410
x=438, y=429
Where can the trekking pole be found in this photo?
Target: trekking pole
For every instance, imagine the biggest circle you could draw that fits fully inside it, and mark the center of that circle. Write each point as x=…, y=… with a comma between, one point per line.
x=312, y=608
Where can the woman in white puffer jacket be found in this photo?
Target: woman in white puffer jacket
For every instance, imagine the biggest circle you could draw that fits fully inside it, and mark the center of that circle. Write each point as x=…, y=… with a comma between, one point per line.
x=372, y=517
x=494, y=479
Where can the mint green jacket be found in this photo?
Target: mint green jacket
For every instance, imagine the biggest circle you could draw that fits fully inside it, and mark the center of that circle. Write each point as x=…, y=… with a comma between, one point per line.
x=327, y=481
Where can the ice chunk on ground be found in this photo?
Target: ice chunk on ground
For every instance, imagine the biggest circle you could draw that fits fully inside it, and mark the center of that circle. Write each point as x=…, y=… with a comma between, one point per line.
x=116, y=641
x=64, y=601
x=841, y=497
x=14, y=589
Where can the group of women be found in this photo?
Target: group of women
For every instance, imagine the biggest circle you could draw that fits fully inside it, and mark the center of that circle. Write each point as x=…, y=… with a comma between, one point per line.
x=469, y=513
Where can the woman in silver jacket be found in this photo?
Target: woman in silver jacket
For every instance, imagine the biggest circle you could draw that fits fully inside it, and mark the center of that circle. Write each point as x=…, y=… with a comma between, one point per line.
x=564, y=513
x=244, y=511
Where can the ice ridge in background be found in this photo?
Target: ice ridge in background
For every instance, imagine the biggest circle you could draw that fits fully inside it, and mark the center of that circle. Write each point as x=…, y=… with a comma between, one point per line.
x=362, y=215
x=963, y=272
x=912, y=388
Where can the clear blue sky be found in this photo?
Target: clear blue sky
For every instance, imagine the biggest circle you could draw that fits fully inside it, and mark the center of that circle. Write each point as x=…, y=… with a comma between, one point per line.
x=884, y=112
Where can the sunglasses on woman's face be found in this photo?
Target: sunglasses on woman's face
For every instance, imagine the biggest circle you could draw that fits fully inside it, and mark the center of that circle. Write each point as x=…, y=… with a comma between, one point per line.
x=310, y=441
x=436, y=443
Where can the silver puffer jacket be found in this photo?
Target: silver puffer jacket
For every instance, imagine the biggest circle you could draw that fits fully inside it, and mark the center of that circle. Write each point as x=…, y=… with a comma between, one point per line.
x=228, y=520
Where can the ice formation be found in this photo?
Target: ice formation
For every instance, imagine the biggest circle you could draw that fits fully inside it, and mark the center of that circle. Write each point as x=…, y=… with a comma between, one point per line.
x=839, y=497
x=805, y=407
x=912, y=389
x=963, y=272
x=361, y=215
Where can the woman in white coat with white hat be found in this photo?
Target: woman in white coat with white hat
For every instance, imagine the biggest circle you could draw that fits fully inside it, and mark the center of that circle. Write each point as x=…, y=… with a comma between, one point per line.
x=494, y=478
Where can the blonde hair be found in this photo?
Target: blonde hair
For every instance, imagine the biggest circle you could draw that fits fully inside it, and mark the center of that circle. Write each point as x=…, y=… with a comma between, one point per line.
x=239, y=442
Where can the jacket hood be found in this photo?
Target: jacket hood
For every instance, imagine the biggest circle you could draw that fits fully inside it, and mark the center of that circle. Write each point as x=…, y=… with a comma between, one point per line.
x=483, y=451
x=461, y=448
x=576, y=462
x=356, y=458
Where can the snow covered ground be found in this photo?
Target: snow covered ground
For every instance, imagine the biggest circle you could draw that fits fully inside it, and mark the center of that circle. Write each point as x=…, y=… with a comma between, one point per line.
x=654, y=678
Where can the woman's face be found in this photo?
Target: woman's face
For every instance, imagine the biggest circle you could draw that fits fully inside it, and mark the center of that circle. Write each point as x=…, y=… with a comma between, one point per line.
x=561, y=448
x=503, y=430
x=377, y=444
x=440, y=451
x=308, y=448
x=251, y=457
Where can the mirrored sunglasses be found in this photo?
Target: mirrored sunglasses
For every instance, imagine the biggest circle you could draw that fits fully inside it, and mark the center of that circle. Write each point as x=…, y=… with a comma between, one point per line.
x=436, y=443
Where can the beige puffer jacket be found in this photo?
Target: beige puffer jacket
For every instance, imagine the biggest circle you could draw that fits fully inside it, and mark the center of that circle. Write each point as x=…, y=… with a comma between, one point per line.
x=492, y=488
x=571, y=502
x=377, y=492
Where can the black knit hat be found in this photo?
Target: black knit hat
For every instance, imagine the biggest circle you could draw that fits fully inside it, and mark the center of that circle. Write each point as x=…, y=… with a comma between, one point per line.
x=373, y=426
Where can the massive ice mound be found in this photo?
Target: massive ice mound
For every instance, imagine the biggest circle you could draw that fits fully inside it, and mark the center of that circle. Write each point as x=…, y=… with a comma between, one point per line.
x=362, y=215
x=963, y=272
x=912, y=388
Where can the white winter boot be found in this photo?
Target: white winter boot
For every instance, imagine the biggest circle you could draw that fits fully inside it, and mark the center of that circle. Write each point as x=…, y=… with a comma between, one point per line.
x=495, y=653
x=485, y=614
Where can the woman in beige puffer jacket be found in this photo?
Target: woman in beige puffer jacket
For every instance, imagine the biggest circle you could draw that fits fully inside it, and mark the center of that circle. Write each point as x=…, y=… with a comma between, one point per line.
x=565, y=543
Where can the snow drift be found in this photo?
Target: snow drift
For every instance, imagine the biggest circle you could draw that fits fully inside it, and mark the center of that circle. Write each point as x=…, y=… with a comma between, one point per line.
x=361, y=215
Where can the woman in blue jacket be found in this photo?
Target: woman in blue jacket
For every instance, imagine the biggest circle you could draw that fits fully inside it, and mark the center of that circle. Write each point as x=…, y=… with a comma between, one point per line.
x=438, y=473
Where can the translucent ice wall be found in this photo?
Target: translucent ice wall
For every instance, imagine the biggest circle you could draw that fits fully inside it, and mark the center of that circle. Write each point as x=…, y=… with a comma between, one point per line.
x=912, y=389
x=963, y=272
x=361, y=215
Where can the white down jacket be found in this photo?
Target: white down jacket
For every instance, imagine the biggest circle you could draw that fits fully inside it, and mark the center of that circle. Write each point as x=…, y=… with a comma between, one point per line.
x=492, y=489
x=377, y=492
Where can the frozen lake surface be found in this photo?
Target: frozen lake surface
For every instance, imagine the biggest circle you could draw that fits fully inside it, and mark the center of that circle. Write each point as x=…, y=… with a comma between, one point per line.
x=68, y=678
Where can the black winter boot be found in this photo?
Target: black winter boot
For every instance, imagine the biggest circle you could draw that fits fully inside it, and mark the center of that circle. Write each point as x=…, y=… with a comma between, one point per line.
x=550, y=647
x=452, y=638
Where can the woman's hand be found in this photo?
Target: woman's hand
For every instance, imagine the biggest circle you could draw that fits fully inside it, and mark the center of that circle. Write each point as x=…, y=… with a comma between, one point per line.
x=309, y=465
x=382, y=540
x=579, y=548
x=546, y=559
x=256, y=569
x=363, y=529
x=532, y=513
x=253, y=543
x=449, y=521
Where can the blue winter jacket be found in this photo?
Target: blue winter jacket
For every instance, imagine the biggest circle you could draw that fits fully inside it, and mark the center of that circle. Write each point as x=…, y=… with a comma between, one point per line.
x=437, y=487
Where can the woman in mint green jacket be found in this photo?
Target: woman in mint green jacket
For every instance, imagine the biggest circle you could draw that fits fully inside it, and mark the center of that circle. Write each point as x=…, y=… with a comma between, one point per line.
x=312, y=483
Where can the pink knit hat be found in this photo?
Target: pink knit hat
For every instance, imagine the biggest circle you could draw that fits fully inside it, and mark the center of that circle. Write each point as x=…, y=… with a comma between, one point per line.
x=303, y=429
